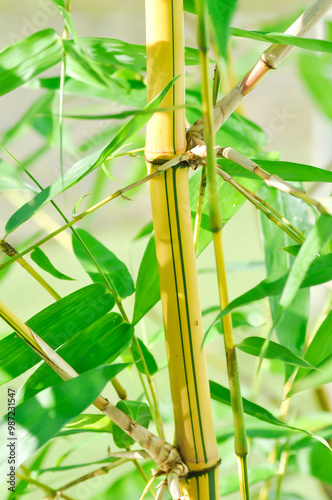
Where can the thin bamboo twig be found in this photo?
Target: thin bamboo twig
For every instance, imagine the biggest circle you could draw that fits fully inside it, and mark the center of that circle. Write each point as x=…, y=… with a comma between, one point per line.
x=43, y=486
x=164, y=454
x=260, y=204
x=270, y=59
x=81, y=216
x=10, y=251
x=240, y=438
x=98, y=472
x=271, y=180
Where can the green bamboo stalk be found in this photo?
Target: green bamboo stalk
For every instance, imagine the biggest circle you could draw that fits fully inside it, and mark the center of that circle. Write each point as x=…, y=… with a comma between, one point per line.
x=240, y=439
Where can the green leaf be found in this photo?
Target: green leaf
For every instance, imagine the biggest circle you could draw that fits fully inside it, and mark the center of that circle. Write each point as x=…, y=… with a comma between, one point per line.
x=320, y=463
x=118, y=53
x=319, y=272
x=288, y=171
x=114, y=269
x=318, y=237
x=60, y=3
x=29, y=57
x=84, y=166
x=282, y=38
x=315, y=72
x=321, y=376
x=55, y=324
x=41, y=259
x=221, y=14
x=11, y=179
x=139, y=412
x=320, y=348
x=147, y=286
x=30, y=117
x=222, y=395
x=253, y=345
x=105, y=461
x=295, y=318
x=88, y=423
x=230, y=484
x=148, y=357
x=54, y=407
x=100, y=343
x=291, y=249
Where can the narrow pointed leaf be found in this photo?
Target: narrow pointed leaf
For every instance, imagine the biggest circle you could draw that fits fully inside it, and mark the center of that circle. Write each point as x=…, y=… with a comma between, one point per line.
x=55, y=325
x=318, y=237
x=41, y=259
x=100, y=343
x=148, y=357
x=320, y=271
x=221, y=14
x=54, y=407
x=87, y=423
x=115, y=270
x=282, y=38
x=29, y=57
x=320, y=348
x=84, y=166
x=321, y=376
x=253, y=345
x=222, y=395
x=288, y=171
x=11, y=179
x=147, y=286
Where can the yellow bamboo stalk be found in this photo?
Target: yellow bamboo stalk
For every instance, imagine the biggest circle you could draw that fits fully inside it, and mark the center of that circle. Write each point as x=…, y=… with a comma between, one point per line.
x=194, y=431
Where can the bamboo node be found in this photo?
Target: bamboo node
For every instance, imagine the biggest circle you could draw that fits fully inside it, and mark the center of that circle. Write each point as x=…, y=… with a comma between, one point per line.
x=7, y=248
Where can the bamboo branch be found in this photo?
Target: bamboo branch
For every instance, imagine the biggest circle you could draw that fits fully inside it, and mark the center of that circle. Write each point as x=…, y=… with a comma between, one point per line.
x=271, y=180
x=164, y=454
x=270, y=59
x=265, y=207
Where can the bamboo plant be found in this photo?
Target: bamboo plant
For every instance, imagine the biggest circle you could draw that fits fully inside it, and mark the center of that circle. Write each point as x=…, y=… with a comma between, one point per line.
x=79, y=337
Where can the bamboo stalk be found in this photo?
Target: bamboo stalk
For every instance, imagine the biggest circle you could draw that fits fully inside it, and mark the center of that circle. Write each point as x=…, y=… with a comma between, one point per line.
x=270, y=59
x=271, y=180
x=194, y=431
x=165, y=455
x=240, y=438
x=199, y=211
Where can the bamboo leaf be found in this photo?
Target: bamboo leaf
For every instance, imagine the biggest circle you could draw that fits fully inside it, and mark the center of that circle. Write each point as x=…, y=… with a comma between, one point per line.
x=55, y=325
x=221, y=14
x=29, y=57
x=282, y=38
x=320, y=271
x=88, y=423
x=139, y=412
x=60, y=3
x=148, y=357
x=320, y=464
x=315, y=72
x=41, y=259
x=147, y=286
x=253, y=345
x=321, y=376
x=55, y=407
x=11, y=179
x=318, y=237
x=292, y=249
x=288, y=171
x=320, y=348
x=119, y=53
x=84, y=166
x=115, y=270
x=292, y=326
x=100, y=343
x=222, y=395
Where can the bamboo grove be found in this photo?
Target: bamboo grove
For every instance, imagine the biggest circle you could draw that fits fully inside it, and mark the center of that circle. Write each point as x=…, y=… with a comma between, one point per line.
x=86, y=344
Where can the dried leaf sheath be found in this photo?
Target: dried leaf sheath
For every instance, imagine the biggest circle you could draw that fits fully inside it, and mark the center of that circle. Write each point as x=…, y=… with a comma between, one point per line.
x=176, y=257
